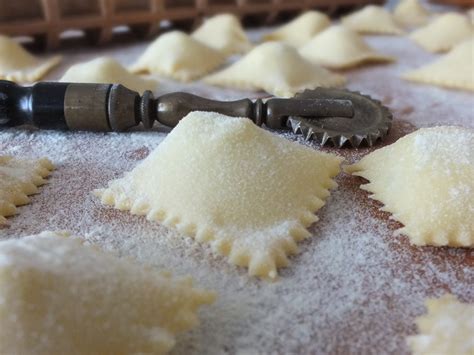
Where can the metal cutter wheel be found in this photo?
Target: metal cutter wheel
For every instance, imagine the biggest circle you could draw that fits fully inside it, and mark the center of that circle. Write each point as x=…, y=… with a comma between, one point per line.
x=370, y=123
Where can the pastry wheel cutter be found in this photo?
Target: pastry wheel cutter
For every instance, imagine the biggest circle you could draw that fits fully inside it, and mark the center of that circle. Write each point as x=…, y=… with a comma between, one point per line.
x=328, y=116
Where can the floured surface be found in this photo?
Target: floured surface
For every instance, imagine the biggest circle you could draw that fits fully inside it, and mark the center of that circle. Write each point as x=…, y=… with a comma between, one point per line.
x=353, y=287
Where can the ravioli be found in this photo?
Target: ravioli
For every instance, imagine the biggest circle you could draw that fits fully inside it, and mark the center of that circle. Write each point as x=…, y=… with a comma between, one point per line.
x=470, y=14
x=444, y=32
x=372, y=19
x=105, y=70
x=411, y=13
x=223, y=33
x=18, y=179
x=246, y=192
x=277, y=69
x=62, y=297
x=178, y=56
x=301, y=29
x=339, y=47
x=447, y=328
x=453, y=70
x=426, y=180
x=16, y=64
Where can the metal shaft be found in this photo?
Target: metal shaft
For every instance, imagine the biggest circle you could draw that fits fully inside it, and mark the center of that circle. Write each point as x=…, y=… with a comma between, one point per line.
x=112, y=107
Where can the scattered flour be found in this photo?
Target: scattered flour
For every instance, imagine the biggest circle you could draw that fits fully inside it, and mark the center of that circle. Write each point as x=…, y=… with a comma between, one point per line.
x=354, y=287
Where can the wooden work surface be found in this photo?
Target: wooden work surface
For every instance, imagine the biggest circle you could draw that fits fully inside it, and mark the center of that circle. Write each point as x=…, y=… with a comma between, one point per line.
x=354, y=288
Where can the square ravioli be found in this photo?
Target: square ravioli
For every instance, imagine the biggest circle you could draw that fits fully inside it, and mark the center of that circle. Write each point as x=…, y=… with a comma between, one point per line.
x=225, y=181
x=18, y=179
x=16, y=64
x=59, y=296
x=426, y=180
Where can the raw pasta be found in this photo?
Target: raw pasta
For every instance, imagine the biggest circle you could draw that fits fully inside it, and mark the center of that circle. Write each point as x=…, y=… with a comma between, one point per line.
x=453, y=70
x=245, y=191
x=470, y=14
x=426, y=180
x=444, y=32
x=301, y=29
x=339, y=47
x=178, y=56
x=411, y=13
x=372, y=20
x=16, y=64
x=447, y=328
x=276, y=68
x=18, y=179
x=223, y=33
x=59, y=296
x=106, y=70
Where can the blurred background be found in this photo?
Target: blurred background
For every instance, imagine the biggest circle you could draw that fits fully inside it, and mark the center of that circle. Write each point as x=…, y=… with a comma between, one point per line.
x=47, y=23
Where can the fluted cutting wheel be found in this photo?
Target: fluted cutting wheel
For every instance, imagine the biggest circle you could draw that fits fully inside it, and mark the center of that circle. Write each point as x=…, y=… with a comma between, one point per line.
x=371, y=121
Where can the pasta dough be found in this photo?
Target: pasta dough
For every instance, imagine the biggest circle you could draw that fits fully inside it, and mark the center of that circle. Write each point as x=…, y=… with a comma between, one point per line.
x=426, y=180
x=106, y=70
x=224, y=33
x=18, y=179
x=443, y=33
x=178, y=56
x=247, y=192
x=372, y=19
x=59, y=296
x=300, y=30
x=470, y=14
x=276, y=68
x=411, y=13
x=16, y=64
x=453, y=70
x=446, y=329
x=339, y=47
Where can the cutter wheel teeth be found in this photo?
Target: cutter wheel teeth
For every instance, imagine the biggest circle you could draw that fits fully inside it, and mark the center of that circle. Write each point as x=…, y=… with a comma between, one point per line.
x=327, y=131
